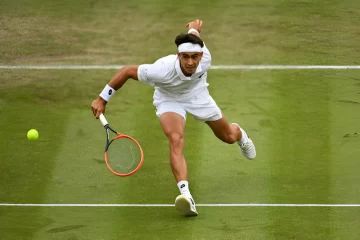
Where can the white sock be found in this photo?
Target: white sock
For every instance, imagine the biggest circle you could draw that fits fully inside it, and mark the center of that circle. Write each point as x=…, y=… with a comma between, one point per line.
x=184, y=187
x=244, y=137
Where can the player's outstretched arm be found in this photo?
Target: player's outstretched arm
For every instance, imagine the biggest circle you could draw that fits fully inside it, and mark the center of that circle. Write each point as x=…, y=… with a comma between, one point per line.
x=99, y=104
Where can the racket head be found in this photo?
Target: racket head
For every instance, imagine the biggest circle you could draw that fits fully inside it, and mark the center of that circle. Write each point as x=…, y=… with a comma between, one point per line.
x=124, y=156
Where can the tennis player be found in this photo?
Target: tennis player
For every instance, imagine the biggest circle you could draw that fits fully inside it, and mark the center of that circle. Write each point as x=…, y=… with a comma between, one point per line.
x=181, y=87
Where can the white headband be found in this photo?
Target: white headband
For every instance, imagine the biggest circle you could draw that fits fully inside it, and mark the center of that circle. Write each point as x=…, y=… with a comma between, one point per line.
x=189, y=47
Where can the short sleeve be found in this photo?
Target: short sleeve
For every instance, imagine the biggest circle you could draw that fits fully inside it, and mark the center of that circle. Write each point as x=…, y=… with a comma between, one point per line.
x=151, y=73
x=143, y=74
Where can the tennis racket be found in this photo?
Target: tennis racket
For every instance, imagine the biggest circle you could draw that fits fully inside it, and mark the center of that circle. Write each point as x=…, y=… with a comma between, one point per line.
x=123, y=154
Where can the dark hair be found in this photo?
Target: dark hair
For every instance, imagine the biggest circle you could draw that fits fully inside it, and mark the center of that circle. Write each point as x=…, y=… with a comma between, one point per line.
x=185, y=38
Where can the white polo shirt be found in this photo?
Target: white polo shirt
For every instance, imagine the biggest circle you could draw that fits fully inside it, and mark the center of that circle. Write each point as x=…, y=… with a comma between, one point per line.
x=168, y=79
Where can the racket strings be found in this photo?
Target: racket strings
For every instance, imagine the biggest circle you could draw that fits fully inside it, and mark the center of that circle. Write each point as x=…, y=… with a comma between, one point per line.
x=132, y=163
x=123, y=155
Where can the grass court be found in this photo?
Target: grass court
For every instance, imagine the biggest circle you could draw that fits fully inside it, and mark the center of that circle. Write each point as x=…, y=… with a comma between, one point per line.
x=305, y=123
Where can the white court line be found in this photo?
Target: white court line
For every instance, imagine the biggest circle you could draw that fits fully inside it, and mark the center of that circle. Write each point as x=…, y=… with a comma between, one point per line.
x=224, y=67
x=281, y=67
x=172, y=205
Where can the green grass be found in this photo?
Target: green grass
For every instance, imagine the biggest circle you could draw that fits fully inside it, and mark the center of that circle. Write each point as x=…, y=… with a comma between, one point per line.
x=162, y=223
x=133, y=32
x=305, y=155
x=304, y=122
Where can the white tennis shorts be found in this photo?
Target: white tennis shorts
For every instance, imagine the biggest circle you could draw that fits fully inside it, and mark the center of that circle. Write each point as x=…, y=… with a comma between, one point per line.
x=202, y=106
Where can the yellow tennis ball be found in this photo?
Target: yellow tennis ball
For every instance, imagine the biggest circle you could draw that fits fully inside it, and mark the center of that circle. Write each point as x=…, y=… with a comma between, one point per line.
x=32, y=134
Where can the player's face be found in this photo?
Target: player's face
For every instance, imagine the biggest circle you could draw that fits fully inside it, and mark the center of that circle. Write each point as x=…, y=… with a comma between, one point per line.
x=189, y=61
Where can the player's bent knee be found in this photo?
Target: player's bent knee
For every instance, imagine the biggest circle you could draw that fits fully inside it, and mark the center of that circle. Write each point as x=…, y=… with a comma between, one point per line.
x=176, y=143
x=175, y=138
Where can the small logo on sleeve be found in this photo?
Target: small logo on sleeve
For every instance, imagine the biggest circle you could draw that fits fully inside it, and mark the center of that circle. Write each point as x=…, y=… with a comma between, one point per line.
x=201, y=75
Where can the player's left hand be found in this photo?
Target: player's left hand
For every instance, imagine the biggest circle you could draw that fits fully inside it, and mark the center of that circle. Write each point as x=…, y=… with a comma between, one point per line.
x=197, y=24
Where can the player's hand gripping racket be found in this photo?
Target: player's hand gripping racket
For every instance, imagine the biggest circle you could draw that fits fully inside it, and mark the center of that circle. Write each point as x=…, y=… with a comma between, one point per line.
x=123, y=154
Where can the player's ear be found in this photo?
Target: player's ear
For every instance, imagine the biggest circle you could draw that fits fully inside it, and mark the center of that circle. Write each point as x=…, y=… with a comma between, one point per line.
x=179, y=56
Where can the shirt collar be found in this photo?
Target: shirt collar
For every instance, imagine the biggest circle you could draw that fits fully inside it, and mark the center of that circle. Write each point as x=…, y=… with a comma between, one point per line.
x=181, y=74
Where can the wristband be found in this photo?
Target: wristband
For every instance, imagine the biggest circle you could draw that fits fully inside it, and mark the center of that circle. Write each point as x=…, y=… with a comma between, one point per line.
x=193, y=30
x=107, y=93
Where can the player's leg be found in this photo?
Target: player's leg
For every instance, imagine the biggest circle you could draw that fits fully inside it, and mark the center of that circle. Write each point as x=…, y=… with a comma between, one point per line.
x=172, y=119
x=231, y=133
x=204, y=108
x=173, y=126
x=228, y=133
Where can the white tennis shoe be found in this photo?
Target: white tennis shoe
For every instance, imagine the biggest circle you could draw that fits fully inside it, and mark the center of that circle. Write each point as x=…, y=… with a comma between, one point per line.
x=186, y=205
x=248, y=149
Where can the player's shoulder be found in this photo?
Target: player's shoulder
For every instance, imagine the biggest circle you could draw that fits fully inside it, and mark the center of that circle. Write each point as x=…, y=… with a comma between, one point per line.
x=163, y=66
x=167, y=61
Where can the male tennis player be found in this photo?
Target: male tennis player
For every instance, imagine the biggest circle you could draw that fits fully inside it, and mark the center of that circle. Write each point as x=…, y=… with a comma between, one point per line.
x=181, y=87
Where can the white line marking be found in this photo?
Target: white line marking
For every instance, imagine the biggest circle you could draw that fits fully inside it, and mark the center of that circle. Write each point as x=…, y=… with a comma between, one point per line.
x=224, y=67
x=73, y=67
x=172, y=205
x=281, y=67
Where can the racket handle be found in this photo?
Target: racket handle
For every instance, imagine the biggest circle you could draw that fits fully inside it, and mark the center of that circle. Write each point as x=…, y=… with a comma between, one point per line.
x=103, y=120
